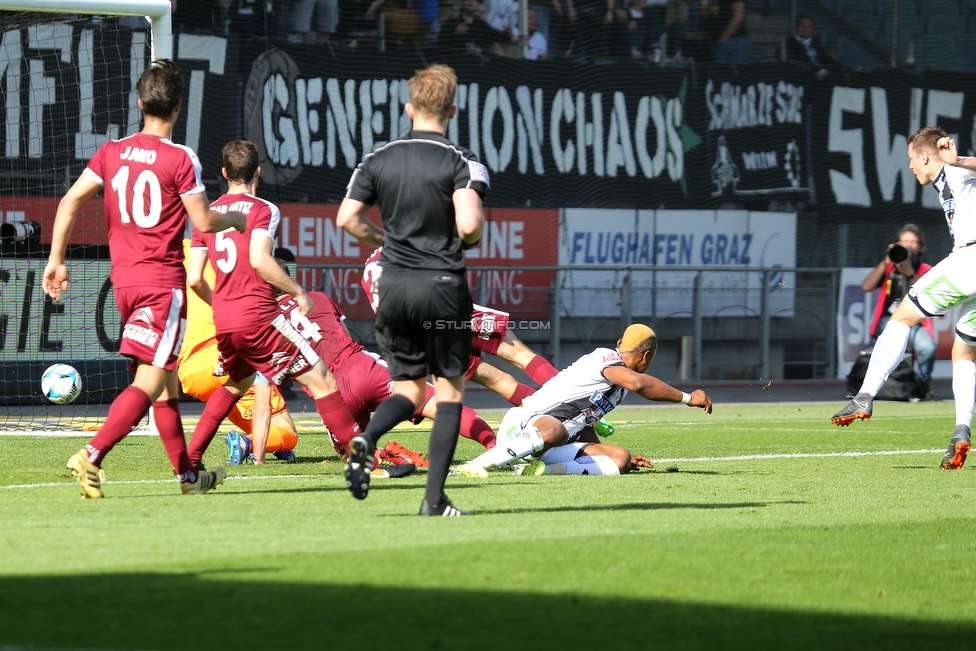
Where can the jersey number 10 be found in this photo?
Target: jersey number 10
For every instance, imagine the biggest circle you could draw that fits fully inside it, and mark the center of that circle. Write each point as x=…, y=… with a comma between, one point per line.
x=138, y=212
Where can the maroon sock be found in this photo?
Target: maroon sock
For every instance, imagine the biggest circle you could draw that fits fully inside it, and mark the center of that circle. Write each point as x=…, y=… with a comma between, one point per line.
x=522, y=391
x=166, y=413
x=218, y=406
x=475, y=428
x=336, y=416
x=540, y=370
x=126, y=411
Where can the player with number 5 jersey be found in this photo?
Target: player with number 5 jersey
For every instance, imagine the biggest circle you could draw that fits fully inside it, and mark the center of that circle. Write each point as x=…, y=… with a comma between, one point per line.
x=151, y=184
x=252, y=333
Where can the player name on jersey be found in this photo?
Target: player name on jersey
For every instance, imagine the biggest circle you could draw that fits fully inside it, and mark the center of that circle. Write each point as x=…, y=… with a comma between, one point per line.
x=138, y=155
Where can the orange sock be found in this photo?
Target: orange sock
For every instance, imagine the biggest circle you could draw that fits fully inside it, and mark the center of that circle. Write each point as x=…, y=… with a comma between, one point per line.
x=281, y=438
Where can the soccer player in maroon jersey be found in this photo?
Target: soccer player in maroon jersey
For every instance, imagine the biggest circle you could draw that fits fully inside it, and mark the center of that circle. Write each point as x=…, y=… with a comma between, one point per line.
x=252, y=333
x=151, y=184
x=363, y=377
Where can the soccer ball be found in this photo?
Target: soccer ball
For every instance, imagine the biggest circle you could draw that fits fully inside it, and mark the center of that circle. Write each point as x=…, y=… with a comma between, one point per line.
x=61, y=384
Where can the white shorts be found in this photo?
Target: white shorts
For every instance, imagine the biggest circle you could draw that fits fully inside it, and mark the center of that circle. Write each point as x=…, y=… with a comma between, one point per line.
x=563, y=453
x=518, y=418
x=946, y=285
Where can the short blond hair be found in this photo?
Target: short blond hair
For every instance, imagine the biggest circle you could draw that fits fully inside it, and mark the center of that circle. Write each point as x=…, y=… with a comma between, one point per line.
x=638, y=338
x=432, y=90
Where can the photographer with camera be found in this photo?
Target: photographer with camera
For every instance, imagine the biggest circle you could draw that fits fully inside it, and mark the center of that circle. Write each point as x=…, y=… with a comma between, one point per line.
x=901, y=267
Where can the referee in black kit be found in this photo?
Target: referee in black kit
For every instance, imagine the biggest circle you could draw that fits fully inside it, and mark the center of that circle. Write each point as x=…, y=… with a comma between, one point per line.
x=429, y=191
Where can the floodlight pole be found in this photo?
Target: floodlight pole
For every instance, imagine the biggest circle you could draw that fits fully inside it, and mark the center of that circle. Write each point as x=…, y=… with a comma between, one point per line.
x=159, y=13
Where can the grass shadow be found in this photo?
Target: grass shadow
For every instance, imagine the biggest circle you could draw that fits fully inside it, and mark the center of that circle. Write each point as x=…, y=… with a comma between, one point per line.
x=168, y=611
x=637, y=506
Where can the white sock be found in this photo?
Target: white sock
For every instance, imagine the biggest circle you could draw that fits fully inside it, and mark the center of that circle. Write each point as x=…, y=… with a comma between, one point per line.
x=598, y=464
x=523, y=444
x=886, y=356
x=964, y=390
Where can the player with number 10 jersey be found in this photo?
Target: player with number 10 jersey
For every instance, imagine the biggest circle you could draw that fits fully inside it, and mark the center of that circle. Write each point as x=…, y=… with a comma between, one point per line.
x=145, y=178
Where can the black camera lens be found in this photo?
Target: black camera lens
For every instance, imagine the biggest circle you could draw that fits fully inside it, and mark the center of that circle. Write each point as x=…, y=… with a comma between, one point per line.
x=11, y=232
x=898, y=253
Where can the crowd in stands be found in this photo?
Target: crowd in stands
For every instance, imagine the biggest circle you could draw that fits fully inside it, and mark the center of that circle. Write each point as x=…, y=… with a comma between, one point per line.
x=655, y=30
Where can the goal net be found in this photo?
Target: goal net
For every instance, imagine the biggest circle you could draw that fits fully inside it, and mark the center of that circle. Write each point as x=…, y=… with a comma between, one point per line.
x=67, y=81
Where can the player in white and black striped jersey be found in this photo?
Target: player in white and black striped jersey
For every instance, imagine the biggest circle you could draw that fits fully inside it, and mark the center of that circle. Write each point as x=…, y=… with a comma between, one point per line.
x=934, y=160
x=557, y=419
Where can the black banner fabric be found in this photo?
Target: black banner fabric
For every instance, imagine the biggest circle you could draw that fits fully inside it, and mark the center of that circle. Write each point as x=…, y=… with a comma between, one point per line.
x=552, y=133
x=863, y=123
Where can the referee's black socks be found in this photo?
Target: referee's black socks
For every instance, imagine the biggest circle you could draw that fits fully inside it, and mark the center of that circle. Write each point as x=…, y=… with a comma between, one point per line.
x=389, y=413
x=443, y=441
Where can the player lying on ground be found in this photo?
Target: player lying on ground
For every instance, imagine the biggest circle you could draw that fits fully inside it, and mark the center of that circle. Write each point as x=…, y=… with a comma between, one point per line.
x=363, y=378
x=261, y=413
x=150, y=186
x=252, y=334
x=933, y=158
x=556, y=420
x=489, y=334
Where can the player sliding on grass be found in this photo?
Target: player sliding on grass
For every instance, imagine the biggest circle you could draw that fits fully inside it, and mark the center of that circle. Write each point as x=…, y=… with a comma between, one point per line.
x=557, y=419
x=933, y=159
x=150, y=186
x=490, y=334
x=252, y=334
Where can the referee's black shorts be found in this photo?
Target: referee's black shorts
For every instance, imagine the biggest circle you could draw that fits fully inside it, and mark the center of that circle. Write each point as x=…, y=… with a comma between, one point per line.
x=422, y=324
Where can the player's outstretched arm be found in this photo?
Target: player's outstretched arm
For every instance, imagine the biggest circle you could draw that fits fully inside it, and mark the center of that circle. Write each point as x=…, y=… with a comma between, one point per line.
x=654, y=389
x=352, y=219
x=206, y=220
x=262, y=259
x=55, y=273
x=195, y=266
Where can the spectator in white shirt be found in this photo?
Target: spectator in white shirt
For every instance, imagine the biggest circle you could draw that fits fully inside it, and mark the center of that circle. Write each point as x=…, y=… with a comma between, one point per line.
x=538, y=47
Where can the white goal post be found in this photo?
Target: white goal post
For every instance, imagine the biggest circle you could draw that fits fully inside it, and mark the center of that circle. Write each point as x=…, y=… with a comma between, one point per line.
x=68, y=85
x=157, y=12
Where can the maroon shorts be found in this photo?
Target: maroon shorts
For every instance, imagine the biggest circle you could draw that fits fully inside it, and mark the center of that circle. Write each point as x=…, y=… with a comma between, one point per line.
x=472, y=365
x=364, y=382
x=154, y=320
x=488, y=328
x=276, y=349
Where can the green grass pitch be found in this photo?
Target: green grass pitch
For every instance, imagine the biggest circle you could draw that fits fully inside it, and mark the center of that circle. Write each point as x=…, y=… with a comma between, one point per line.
x=755, y=530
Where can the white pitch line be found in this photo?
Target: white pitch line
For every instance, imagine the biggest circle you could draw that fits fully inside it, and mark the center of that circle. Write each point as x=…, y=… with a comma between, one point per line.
x=45, y=648
x=745, y=457
x=151, y=481
x=43, y=433
x=799, y=455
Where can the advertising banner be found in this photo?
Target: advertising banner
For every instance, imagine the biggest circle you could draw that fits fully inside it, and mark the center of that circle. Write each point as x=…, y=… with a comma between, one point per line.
x=85, y=325
x=754, y=130
x=669, y=240
x=862, y=160
x=512, y=238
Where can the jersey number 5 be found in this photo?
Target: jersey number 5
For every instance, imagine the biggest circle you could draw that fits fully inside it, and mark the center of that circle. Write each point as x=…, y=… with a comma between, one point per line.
x=143, y=217
x=225, y=244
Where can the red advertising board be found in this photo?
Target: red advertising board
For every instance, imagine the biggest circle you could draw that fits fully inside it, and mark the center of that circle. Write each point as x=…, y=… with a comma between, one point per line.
x=90, y=227
x=513, y=238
